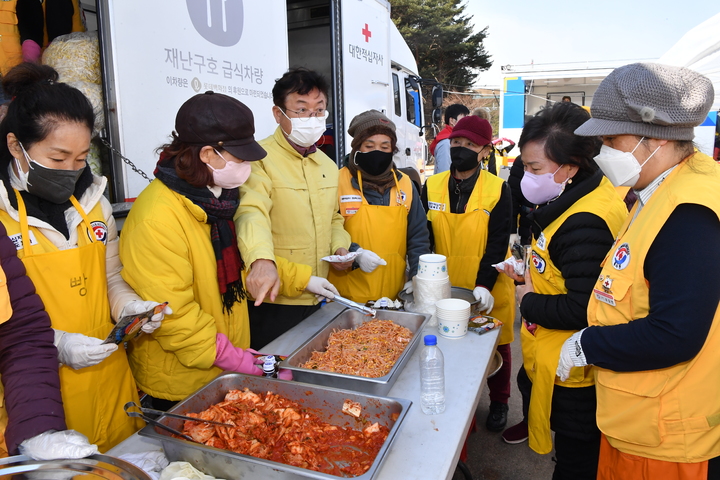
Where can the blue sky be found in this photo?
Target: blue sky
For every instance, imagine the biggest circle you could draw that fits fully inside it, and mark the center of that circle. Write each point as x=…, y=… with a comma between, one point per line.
x=554, y=31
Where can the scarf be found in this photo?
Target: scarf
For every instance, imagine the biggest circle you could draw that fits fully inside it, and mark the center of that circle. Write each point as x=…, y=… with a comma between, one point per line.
x=220, y=213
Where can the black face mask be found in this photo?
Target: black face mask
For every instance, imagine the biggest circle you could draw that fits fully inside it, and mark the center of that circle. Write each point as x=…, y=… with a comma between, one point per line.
x=463, y=159
x=375, y=162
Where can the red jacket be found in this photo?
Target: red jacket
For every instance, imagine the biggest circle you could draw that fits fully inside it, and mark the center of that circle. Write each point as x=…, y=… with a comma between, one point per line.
x=444, y=133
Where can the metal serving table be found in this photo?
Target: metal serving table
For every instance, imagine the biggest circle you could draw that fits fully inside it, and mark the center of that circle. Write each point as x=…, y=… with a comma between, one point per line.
x=427, y=446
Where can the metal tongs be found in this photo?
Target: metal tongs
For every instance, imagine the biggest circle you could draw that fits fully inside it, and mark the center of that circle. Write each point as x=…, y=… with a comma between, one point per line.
x=131, y=413
x=356, y=306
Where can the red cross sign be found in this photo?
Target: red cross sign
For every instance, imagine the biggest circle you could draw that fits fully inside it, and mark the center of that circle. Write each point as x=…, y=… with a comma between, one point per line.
x=367, y=33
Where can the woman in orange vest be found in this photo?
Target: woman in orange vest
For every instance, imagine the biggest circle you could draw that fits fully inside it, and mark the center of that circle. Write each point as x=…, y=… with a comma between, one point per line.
x=469, y=214
x=382, y=213
x=54, y=211
x=577, y=217
x=654, y=317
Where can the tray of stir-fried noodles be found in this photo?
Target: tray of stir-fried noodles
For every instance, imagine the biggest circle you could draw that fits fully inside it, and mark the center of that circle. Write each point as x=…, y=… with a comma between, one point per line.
x=357, y=352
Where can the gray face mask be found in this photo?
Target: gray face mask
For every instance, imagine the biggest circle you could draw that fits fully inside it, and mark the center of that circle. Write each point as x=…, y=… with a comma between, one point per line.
x=56, y=186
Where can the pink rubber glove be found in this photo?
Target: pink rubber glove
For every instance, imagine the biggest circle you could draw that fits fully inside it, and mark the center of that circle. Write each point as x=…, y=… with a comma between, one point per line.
x=231, y=358
x=284, y=374
x=31, y=51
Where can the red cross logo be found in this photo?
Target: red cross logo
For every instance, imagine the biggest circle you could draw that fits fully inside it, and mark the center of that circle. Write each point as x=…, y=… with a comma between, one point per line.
x=366, y=31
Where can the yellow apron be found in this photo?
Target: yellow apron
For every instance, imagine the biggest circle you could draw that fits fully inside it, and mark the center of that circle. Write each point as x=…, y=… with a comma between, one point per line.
x=73, y=286
x=462, y=238
x=541, y=351
x=383, y=230
x=5, y=314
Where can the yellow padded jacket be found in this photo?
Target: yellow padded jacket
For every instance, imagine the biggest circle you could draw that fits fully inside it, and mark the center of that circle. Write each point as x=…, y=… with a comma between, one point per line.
x=289, y=208
x=167, y=255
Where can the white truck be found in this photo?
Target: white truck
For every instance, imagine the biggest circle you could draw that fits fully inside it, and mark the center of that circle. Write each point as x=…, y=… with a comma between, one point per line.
x=155, y=55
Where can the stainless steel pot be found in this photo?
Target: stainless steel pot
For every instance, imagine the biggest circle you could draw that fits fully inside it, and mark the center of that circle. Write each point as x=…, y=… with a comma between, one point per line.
x=95, y=467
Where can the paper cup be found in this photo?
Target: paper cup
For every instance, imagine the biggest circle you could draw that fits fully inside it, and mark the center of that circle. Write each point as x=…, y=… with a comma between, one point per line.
x=452, y=315
x=453, y=305
x=452, y=328
x=432, y=267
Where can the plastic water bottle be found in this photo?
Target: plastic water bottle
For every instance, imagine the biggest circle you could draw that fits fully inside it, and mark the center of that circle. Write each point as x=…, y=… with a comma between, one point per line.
x=432, y=377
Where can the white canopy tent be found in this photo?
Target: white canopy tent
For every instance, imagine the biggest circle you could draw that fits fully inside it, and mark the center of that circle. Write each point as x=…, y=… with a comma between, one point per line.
x=699, y=49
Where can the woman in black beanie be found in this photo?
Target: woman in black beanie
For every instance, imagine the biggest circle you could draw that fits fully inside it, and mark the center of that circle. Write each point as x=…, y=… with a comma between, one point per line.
x=382, y=213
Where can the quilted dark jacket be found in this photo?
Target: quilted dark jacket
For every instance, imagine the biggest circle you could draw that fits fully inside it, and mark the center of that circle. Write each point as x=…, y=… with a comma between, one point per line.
x=28, y=358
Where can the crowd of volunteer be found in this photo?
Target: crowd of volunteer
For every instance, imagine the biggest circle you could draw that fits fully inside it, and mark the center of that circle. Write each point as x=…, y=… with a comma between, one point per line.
x=619, y=326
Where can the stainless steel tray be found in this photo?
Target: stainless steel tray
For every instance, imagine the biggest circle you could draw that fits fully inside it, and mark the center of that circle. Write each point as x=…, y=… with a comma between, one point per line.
x=415, y=322
x=455, y=292
x=95, y=467
x=325, y=402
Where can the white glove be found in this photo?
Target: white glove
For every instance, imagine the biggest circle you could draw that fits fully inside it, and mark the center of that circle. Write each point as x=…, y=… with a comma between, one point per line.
x=487, y=301
x=137, y=307
x=571, y=355
x=408, y=287
x=53, y=445
x=79, y=351
x=514, y=238
x=368, y=261
x=321, y=288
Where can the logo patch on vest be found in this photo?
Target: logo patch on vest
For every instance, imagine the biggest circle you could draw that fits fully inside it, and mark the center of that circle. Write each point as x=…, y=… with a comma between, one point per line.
x=100, y=230
x=621, y=257
x=541, y=241
x=350, y=198
x=440, y=207
x=538, y=262
x=403, y=196
x=17, y=240
x=604, y=297
x=351, y=211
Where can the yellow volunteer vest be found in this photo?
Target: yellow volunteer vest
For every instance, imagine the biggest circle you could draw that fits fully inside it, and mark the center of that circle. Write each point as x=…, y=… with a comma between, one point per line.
x=462, y=238
x=672, y=414
x=541, y=351
x=73, y=286
x=10, y=46
x=381, y=229
x=5, y=314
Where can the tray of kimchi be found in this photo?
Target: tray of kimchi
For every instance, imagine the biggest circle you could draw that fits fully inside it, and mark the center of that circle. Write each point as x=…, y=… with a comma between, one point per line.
x=357, y=352
x=275, y=429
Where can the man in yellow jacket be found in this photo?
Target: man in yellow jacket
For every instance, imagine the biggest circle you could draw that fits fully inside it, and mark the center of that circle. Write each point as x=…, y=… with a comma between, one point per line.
x=289, y=206
x=654, y=321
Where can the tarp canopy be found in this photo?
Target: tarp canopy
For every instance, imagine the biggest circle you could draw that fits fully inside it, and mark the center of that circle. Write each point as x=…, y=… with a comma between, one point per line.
x=699, y=49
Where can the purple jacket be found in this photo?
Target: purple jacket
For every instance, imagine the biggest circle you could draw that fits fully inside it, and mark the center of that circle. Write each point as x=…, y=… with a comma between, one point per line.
x=28, y=358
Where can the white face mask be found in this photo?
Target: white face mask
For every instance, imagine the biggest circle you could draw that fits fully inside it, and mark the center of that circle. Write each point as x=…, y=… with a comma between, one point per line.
x=307, y=130
x=621, y=168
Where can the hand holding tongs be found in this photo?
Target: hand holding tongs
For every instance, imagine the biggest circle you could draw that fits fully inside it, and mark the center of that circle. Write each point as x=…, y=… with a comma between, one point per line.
x=355, y=306
x=151, y=411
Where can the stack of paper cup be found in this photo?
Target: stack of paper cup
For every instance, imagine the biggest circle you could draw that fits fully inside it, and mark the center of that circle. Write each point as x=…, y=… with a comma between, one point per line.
x=431, y=284
x=432, y=267
x=453, y=315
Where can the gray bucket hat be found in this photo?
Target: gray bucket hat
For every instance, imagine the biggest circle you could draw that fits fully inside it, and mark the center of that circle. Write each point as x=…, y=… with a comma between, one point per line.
x=650, y=100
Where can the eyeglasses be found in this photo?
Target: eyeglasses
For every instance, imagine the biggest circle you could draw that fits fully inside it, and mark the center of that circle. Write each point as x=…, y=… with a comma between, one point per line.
x=305, y=113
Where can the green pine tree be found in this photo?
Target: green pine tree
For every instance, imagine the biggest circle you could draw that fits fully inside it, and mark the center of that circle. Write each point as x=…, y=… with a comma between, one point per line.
x=441, y=37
